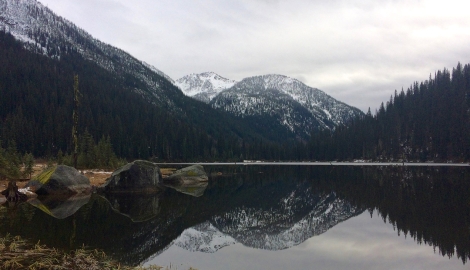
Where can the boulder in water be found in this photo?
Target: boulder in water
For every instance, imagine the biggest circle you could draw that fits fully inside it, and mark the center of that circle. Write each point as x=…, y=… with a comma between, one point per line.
x=139, y=176
x=189, y=175
x=59, y=180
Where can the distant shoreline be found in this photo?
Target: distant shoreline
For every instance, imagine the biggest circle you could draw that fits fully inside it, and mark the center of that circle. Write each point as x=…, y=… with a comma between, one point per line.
x=332, y=163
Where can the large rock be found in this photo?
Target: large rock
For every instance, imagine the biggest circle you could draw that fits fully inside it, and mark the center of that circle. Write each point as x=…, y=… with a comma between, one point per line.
x=59, y=180
x=139, y=176
x=189, y=175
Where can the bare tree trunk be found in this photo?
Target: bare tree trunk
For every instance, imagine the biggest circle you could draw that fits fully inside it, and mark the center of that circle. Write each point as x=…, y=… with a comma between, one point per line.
x=75, y=121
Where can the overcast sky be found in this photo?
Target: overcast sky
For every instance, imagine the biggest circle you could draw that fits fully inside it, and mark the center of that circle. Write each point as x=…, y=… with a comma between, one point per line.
x=356, y=51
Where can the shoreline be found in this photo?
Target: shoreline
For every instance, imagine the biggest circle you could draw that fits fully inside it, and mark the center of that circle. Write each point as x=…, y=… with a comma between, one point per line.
x=327, y=163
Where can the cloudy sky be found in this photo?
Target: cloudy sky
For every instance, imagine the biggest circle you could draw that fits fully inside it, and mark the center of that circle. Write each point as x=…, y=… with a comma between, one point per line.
x=356, y=51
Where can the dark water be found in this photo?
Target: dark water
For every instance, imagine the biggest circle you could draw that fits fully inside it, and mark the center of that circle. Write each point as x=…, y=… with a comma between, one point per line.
x=272, y=217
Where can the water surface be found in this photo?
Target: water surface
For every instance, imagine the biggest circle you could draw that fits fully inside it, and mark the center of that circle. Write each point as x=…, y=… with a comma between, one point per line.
x=273, y=217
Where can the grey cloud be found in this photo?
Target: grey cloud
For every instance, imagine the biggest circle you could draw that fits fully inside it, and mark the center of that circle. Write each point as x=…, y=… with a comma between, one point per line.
x=356, y=51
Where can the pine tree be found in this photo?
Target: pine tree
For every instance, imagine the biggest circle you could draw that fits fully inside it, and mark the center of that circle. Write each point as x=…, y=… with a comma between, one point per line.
x=29, y=164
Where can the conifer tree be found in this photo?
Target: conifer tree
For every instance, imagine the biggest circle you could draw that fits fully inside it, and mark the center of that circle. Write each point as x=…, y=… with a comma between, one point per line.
x=29, y=164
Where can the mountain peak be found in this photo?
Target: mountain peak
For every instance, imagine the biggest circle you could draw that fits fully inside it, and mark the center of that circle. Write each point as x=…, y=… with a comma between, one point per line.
x=203, y=86
x=324, y=112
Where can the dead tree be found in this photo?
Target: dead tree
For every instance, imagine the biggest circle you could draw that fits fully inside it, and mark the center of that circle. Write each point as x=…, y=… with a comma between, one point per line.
x=12, y=194
x=75, y=120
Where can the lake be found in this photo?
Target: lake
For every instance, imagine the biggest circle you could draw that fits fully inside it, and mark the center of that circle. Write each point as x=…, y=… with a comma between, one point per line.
x=271, y=217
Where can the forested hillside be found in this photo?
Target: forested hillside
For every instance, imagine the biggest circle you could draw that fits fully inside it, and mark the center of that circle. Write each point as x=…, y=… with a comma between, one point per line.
x=37, y=100
x=427, y=122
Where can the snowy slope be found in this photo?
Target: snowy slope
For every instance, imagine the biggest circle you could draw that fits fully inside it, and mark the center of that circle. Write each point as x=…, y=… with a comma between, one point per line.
x=204, y=86
x=255, y=95
x=46, y=33
x=316, y=101
x=269, y=106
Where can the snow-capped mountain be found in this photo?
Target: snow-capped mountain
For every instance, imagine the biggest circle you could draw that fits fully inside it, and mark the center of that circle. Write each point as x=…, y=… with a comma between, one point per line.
x=204, y=86
x=316, y=101
x=268, y=94
x=298, y=217
x=44, y=32
x=279, y=107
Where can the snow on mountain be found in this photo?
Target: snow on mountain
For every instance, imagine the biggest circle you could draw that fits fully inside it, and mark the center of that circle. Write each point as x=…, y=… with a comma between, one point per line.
x=204, y=86
x=321, y=105
x=268, y=106
x=264, y=95
x=286, y=101
x=44, y=32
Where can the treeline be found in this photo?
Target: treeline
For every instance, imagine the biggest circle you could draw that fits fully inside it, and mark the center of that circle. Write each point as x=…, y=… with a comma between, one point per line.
x=428, y=121
x=91, y=154
x=14, y=165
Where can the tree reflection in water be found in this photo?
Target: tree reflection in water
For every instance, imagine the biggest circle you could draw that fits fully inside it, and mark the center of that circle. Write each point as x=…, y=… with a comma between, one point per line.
x=432, y=205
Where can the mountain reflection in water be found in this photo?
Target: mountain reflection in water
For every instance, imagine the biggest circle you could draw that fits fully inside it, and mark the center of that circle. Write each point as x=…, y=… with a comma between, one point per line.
x=265, y=208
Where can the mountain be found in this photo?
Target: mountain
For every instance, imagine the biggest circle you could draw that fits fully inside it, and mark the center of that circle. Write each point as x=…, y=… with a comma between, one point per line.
x=291, y=103
x=204, y=86
x=44, y=32
x=134, y=103
x=269, y=110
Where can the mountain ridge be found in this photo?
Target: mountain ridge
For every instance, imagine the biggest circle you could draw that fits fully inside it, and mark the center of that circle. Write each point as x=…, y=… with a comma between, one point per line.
x=262, y=96
x=42, y=31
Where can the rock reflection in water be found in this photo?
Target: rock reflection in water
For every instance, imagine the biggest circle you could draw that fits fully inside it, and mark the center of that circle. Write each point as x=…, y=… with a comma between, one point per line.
x=138, y=207
x=277, y=209
x=60, y=207
x=193, y=189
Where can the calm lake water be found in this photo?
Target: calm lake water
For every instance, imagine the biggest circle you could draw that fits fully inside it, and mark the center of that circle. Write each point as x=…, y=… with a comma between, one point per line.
x=271, y=217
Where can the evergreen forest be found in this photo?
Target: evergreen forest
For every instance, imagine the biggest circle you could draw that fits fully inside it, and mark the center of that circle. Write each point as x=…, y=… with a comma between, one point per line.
x=427, y=122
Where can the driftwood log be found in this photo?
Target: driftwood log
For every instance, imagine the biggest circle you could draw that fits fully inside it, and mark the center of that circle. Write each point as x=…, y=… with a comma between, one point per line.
x=12, y=194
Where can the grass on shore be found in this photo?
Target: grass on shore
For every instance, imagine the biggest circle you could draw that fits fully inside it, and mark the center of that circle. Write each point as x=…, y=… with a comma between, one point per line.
x=16, y=253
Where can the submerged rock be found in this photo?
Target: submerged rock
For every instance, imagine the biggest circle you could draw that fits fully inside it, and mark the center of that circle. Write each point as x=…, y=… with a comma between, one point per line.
x=139, y=176
x=59, y=180
x=186, y=176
